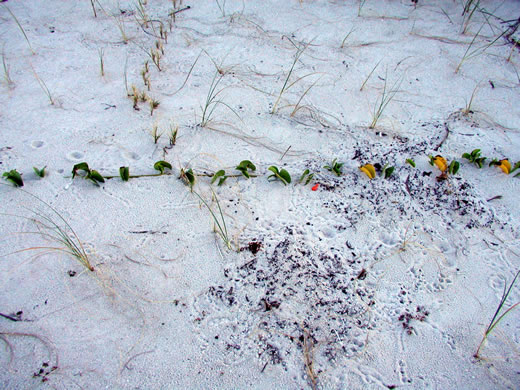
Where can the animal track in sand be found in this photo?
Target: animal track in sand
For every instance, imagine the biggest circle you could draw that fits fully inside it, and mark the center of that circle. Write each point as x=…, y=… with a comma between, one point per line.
x=75, y=156
x=130, y=155
x=37, y=144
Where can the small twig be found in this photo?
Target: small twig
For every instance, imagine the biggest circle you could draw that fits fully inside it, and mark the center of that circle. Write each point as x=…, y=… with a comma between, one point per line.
x=10, y=317
x=283, y=155
x=446, y=127
x=132, y=358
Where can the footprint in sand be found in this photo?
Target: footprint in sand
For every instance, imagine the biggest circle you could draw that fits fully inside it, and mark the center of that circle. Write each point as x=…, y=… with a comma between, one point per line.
x=75, y=156
x=130, y=155
x=37, y=144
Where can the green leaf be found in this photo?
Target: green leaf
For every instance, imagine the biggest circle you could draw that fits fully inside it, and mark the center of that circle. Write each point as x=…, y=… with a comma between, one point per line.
x=40, y=172
x=454, y=167
x=334, y=167
x=281, y=175
x=82, y=166
x=161, y=165
x=221, y=174
x=273, y=169
x=244, y=166
x=305, y=173
x=285, y=176
x=14, y=177
x=189, y=177
x=95, y=176
x=515, y=167
x=124, y=172
x=388, y=172
x=307, y=176
x=411, y=162
x=467, y=156
x=431, y=160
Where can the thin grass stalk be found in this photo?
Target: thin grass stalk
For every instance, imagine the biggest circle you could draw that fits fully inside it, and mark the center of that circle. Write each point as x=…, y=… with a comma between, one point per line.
x=361, y=4
x=43, y=86
x=20, y=27
x=188, y=75
x=93, y=8
x=346, y=37
x=467, y=109
x=222, y=7
x=469, y=14
x=7, y=76
x=101, y=62
x=297, y=105
x=369, y=75
x=222, y=229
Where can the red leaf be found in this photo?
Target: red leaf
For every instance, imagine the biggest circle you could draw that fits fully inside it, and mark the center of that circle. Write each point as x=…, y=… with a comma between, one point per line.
x=315, y=187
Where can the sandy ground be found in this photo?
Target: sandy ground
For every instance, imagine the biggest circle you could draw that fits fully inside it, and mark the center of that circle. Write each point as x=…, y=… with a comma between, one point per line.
x=340, y=283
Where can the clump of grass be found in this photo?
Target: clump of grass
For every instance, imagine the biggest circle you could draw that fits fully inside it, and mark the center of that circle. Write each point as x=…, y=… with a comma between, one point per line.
x=384, y=99
x=467, y=110
x=213, y=100
x=156, y=134
x=172, y=136
x=141, y=11
x=287, y=85
x=120, y=23
x=138, y=96
x=219, y=225
x=153, y=103
x=53, y=226
x=145, y=74
x=155, y=55
x=472, y=52
x=500, y=313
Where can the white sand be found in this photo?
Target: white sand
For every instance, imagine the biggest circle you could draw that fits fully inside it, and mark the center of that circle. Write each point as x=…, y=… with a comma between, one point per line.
x=360, y=284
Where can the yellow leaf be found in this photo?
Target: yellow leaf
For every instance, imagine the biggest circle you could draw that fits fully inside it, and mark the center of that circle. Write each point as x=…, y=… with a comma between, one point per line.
x=505, y=166
x=369, y=170
x=441, y=163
